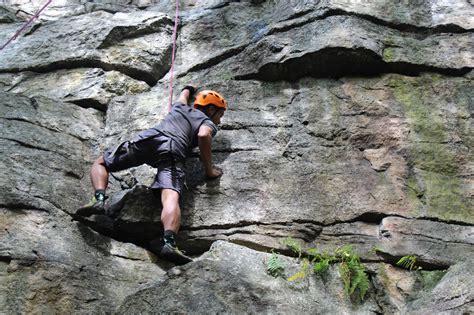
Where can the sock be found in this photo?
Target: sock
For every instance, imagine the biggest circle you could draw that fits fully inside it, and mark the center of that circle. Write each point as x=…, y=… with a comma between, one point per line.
x=170, y=238
x=99, y=195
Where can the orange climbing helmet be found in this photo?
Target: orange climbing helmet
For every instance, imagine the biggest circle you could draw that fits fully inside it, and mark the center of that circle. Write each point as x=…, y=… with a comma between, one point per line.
x=208, y=97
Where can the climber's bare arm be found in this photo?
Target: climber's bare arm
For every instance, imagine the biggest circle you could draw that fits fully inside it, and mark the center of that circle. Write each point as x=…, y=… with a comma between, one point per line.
x=205, y=143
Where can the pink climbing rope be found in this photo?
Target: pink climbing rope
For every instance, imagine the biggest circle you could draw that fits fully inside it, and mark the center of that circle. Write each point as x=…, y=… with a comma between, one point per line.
x=26, y=25
x=173, y=53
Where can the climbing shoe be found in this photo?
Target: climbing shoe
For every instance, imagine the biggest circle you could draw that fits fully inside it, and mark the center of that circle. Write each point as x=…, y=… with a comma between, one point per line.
x=174, y=255
x=93, y=207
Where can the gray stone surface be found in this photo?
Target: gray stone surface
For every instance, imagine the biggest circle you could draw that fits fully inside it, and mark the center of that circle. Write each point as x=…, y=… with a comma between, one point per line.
x=453, y=293
x=50, y=264
x=6, y=16
x=359, y=46
x=84, y=87
x=232, y=279
x=426, y=13
x=60, y=9
x=136, y=44
x=424, y=292
x=436, y=244
x=46, y=152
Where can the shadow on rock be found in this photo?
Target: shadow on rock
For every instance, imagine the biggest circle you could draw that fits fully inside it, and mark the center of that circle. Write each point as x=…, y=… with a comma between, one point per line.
x=132, y=216
x=202, y=193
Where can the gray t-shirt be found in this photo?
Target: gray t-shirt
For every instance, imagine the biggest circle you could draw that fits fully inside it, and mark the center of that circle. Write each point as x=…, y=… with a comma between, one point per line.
x=181, y=125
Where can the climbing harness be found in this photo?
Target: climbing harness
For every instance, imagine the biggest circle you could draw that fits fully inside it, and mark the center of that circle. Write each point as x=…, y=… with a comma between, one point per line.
x=26, y=25
x=173, y=53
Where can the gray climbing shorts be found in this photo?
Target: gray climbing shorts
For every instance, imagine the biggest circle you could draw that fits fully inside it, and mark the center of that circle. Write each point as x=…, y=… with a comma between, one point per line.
x=154, y=151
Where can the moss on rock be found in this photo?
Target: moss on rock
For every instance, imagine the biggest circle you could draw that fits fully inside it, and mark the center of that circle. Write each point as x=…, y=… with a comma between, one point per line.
x=430, y=154
x=429, y=279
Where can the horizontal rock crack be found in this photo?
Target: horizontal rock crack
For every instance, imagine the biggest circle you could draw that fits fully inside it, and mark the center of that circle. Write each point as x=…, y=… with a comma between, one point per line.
x=341, y=62
x=422, y=31
x=68, y=64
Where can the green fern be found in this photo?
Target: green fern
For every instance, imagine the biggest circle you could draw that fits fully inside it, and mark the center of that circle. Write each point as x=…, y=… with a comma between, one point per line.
x=321, y=266
x=353, y=273
x=376, y=250
x=345, y=252
x=275, y=266
x=323, y=262
x=407, y=262
x=359, y=282
x=293, y=245
x=313, y=254
x=345, y=274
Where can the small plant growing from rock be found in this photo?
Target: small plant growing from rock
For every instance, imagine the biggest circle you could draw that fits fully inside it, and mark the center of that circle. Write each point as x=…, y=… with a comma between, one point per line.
x=353, y=273
x=321, y=262
x=275, y=266
x=294, y=246
x=408, y=262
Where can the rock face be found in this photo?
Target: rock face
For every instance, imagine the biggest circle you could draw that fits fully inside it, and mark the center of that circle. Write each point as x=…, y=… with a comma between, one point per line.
x=349, y=123
x=231, y=279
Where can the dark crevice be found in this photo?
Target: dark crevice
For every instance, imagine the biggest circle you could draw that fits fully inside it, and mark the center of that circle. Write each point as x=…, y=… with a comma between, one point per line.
x=234, y=150
x=237, y=126
x=6, y=259
x=341, y=62
x=307, y=234
x=457, y=307
x=29, y=122
x=371, y=217
x=425, y=265
x=134, y=73
x=228, y=226
x=377, y=217
x=27, y=145
x=20, y=207
x=138, y=233
x=90, y=103
x=422, y=30
x=72, y=175
x=403, y=27
x=446, y=221
x=34, y=147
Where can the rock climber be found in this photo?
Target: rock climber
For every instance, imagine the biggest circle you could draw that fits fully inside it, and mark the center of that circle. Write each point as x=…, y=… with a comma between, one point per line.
x=165, y=147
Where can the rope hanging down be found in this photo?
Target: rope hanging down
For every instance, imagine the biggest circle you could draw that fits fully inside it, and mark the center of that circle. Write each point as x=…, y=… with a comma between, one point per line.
x=173, y=53
x=26, y=25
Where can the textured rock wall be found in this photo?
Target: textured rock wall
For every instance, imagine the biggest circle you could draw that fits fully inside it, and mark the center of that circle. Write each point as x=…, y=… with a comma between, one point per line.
x=350, y=122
